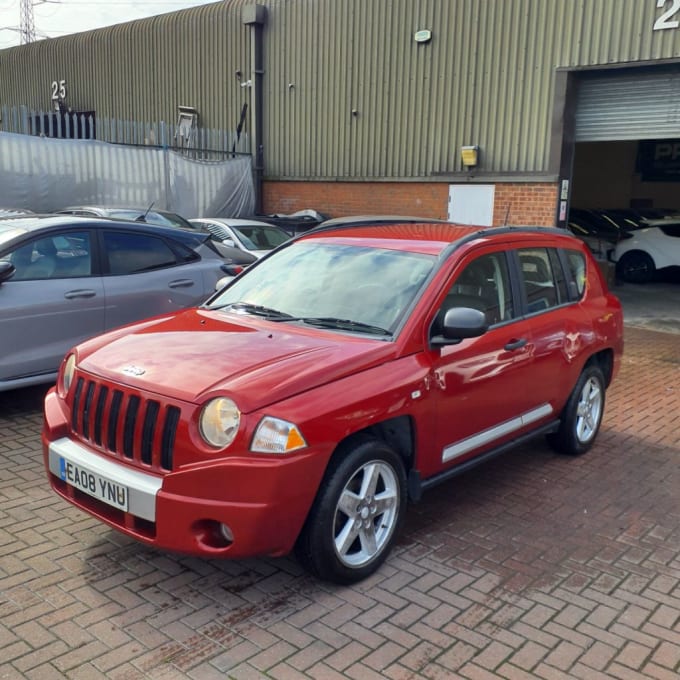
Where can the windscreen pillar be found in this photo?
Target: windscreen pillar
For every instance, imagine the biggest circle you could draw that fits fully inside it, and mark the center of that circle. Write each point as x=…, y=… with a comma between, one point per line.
x=255, y=16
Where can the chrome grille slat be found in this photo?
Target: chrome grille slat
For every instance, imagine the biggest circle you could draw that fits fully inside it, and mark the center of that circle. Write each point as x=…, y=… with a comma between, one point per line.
x=125, y=426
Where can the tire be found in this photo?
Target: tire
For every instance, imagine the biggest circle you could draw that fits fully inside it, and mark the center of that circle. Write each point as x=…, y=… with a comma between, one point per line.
x=581, y=417
x=357, y=513
x=635, y=266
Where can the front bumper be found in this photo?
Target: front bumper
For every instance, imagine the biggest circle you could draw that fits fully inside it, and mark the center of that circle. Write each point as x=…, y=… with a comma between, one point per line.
x=234, y=506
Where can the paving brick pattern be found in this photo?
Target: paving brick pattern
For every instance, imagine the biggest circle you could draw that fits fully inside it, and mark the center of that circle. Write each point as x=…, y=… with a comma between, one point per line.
x=532, y=566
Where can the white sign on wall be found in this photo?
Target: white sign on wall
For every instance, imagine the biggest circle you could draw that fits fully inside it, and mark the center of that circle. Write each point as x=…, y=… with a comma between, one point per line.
x=471, y=204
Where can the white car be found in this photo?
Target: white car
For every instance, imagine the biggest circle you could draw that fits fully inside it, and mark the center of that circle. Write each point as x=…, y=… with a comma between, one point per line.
x=251, y=236
x=654, y=246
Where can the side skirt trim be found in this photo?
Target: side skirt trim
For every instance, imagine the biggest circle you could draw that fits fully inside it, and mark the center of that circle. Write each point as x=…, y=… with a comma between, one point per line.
x=496, y=432
x=417, y=486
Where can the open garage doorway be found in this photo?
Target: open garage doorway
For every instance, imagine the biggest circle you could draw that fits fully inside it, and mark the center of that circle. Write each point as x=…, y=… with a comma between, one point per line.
x=625, y=179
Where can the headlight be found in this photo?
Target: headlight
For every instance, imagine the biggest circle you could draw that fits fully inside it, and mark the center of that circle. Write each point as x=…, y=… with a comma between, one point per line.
x=277, y=436
x=67, y=374
x=219, y=422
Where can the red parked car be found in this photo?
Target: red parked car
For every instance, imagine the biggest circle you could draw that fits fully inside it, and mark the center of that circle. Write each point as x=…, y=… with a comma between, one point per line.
x=304, y=405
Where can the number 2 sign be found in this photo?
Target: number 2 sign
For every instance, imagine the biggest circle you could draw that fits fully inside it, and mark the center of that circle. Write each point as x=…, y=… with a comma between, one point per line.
x=666, y=19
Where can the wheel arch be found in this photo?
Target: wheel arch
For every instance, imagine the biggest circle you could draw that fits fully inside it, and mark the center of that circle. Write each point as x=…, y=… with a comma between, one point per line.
x=636, y=251
x=604, y=360
x=398, y=433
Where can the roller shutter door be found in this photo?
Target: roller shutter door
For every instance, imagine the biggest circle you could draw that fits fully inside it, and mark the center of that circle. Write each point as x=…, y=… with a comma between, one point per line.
x=630, y=105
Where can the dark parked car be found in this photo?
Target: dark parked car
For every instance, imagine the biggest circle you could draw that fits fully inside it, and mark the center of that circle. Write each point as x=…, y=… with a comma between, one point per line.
x=64, y=279
x=333, y=381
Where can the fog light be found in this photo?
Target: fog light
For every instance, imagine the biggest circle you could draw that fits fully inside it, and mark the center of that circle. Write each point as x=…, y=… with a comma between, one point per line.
x=227, y=533
x=212, y=535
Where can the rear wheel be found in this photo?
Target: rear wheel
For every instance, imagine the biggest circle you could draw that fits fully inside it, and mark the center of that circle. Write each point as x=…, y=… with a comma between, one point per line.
x=357, y=514
x=635, y=266
x=582, y=415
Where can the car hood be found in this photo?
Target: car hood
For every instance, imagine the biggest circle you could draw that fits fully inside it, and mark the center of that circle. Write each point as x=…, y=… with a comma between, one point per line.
x=198, y=353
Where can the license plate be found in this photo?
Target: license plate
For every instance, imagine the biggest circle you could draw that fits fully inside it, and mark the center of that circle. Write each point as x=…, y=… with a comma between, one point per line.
x=93, y=484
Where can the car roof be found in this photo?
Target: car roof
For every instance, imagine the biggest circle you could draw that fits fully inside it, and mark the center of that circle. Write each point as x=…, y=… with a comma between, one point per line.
x=661, y=222
x=235, y=222
x=23, y=225
x=378, y=219
x=428, y=237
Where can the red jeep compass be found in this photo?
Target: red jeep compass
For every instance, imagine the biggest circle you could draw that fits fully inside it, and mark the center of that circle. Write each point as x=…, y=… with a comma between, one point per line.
x=336, y=379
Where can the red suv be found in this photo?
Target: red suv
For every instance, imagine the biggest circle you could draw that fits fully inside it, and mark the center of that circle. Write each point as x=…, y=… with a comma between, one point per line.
x=336, y=379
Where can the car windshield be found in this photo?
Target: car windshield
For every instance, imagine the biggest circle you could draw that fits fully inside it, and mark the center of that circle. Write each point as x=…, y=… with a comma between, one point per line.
x=9, y=229
x=338, y=286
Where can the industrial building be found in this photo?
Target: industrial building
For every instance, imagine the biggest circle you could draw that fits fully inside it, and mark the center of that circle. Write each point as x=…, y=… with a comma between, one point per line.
x=484, y=111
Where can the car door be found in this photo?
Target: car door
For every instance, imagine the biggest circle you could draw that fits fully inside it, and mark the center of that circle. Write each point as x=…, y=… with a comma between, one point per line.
x=482, y=385
x=145, y=276
x=54, y=300
x=552, y=286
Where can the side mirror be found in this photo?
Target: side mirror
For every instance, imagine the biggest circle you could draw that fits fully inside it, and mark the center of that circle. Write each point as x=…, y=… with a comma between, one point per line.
x=7, y=270
x=460, y=323
x=229, y=242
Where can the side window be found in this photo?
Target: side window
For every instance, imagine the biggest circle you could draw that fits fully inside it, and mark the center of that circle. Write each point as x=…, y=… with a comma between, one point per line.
x=484, y=285
x=558, y=273
x=576, y=282
x=131, y=253
x=538, y=279
x=54, y=257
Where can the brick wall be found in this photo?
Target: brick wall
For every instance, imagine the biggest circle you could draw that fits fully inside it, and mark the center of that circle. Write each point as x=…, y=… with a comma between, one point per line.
x=524, y=203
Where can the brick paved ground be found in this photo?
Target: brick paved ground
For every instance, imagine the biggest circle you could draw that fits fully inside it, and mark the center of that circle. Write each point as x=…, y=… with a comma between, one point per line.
x=534, y=566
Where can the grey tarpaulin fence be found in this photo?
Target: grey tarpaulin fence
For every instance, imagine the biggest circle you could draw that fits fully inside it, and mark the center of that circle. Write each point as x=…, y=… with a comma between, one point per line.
x=43, y=169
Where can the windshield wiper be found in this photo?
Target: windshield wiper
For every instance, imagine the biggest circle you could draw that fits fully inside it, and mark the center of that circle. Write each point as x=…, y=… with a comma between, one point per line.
x=334, y=322
x=319, y=321
x=257, y=310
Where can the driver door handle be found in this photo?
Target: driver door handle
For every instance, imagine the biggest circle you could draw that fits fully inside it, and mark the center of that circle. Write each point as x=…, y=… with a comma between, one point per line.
x=80, y=293
x=515, y=344
x=181, y=283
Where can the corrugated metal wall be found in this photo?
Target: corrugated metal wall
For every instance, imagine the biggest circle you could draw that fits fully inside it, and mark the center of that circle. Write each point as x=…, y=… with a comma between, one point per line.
x=141, y=70
x=485, y=78
x=348, y=93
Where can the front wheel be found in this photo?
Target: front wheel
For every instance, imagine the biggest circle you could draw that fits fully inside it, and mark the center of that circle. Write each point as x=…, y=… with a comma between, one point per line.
x=636, y=266
x=582, y=415
x=356, y=515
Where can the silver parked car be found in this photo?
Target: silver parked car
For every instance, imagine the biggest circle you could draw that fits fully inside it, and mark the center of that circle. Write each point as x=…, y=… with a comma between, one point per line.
x=64, y=279
x=163, y=217
x=251, y=236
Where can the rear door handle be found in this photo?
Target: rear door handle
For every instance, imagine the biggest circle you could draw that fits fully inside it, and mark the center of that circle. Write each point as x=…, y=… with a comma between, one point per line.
x=181, y=283
x=80, y=293
x=516, y=344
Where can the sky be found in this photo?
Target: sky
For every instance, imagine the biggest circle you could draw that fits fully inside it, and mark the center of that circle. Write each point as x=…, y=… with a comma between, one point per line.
x=55, y=18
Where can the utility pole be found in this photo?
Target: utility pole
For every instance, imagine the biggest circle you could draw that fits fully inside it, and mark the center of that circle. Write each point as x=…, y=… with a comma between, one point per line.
x=27, y=22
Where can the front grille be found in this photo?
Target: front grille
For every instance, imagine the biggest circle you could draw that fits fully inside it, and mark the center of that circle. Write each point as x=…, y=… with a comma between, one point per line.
x=123, y=425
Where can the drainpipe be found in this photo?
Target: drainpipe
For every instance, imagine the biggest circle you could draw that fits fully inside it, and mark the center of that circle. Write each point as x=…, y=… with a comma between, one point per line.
x=255, y=16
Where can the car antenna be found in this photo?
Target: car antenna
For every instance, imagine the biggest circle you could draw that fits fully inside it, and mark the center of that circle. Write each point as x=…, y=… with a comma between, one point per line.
x=142, y=218
x=507, y=214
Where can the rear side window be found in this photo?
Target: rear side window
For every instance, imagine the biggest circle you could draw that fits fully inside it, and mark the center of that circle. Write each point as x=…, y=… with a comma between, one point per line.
x=538, y=278
x=576, y=274
x=131, y=253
